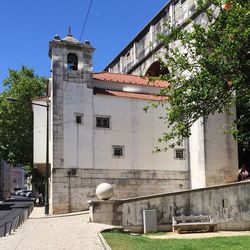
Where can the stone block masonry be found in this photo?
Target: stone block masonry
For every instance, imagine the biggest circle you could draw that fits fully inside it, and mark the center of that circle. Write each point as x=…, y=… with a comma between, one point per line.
x=228, y=204
x=72, y=188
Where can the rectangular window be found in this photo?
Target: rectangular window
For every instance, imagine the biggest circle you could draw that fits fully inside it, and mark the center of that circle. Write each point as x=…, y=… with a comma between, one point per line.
x=118, y=151
x=103, y=122
x=79, y=118
x=179, y=154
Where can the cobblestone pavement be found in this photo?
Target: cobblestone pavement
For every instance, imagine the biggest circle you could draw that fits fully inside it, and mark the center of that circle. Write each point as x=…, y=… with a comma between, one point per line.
x=68, y=232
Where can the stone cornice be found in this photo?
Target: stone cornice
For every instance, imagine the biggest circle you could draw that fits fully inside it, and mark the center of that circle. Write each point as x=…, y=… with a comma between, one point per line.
x=69, y=45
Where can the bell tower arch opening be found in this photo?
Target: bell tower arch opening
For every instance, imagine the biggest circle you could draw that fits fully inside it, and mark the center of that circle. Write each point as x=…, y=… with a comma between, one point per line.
x=156, y=69
x=72, y=61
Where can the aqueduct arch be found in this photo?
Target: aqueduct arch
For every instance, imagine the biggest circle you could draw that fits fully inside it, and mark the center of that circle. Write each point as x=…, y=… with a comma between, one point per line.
x=156, y=69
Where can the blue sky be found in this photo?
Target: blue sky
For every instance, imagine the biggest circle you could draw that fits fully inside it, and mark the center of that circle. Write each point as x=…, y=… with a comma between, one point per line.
x=27, y=27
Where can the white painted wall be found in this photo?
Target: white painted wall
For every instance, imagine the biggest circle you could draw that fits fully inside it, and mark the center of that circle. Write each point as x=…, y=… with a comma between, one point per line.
x=39, y=134
x=78, y=139
x=88, y=147
x=134, y=129
x=213, y=152
x=221, y=150
x=197, y=155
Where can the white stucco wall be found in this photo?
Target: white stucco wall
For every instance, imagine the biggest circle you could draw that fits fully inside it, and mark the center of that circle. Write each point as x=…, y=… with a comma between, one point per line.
x=134, y=129
x=213, y=152
x=78, y=139
x=88, y=147
x=221, y=150
x=197, y=155
x=39, y=134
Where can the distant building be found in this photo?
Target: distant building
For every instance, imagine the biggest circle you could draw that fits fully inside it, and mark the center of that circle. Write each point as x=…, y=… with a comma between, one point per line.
x=5, y=175
x=11, y=178
x=17, y=178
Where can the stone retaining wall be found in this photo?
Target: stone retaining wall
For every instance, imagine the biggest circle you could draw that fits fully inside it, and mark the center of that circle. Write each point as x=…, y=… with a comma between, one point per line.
x=228, y=204
x=72, y=188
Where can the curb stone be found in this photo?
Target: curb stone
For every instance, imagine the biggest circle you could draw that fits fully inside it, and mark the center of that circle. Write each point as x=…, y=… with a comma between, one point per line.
x=103, y=241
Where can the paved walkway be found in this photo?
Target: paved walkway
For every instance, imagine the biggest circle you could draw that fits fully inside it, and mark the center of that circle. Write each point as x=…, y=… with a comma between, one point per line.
x=68, y=232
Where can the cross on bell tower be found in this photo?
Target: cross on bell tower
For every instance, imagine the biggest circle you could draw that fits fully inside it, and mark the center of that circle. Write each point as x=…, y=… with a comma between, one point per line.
x=69, y=31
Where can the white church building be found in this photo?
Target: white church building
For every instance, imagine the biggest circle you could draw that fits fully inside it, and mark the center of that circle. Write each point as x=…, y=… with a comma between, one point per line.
x=99, y=132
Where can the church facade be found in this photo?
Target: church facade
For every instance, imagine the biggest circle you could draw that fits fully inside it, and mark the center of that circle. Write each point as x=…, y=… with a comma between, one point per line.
x=99, y=132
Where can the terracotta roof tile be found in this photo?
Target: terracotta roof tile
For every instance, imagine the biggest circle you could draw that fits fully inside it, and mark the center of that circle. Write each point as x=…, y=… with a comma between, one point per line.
x=142, y=96
x=129, y=79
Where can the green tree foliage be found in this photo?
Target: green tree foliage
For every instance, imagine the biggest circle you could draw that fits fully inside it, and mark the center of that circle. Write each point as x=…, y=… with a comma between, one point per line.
x=209, y=67
x=16, y=119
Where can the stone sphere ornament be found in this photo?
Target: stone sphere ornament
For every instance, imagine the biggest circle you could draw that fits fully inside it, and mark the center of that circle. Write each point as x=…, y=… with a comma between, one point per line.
x=104, y=191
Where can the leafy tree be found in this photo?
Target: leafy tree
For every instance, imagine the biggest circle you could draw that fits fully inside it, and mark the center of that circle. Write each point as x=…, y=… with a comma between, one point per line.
x=37, y=178
x=16, y=119
x=209, y=70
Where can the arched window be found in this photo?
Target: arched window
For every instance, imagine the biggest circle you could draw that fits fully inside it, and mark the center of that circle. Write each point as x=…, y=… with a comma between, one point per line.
x=72, y=61
x=157, y=69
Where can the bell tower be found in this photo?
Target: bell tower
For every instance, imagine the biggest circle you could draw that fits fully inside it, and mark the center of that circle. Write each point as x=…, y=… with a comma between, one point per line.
x=71, y=58
x=71, y=113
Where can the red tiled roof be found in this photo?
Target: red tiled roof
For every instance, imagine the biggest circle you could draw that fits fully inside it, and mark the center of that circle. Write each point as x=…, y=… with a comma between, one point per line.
x=129, y=79
x=142, y=96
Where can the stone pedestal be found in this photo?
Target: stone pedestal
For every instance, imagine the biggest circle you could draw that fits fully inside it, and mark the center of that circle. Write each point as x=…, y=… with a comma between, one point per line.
x=105, y=212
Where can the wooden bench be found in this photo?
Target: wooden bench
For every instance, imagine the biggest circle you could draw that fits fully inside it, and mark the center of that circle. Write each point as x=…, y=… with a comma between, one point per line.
x=193, y=223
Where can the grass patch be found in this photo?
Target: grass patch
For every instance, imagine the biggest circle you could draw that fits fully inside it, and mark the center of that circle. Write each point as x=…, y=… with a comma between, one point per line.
x=156, y=234
x=120, y=241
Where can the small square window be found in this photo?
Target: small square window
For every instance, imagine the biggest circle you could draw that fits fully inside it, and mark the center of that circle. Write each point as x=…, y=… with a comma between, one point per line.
x=118, y=151
x=78, y=118
x=179, y=154
x=103, y=122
